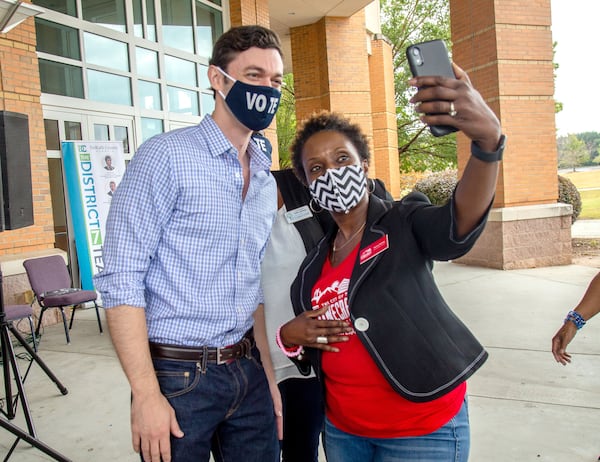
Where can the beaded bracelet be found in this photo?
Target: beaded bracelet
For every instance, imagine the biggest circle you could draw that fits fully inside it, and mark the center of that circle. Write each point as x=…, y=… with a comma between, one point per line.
x=576, y=319
x=289, y=352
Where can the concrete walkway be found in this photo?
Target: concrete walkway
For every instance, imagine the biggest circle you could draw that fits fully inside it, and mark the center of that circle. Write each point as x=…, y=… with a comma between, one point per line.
x=586, y=229
x=523, y=405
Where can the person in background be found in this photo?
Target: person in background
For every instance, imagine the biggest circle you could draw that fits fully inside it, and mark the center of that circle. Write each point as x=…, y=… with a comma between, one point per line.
x=298, y=227
x=185, y=237
x=588, y=307
x=112, y=188
x=392, y=356
x=108, y=163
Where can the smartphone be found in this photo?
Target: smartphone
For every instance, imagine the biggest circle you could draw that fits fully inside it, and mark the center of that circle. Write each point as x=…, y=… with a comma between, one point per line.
x=431, y=58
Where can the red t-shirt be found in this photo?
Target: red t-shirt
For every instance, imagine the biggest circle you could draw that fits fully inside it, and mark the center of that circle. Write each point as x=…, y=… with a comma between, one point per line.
x=359, y=400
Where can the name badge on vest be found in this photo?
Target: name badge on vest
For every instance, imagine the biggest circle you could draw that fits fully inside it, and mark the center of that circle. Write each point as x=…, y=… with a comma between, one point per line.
x=299, y=214
x=380, y=245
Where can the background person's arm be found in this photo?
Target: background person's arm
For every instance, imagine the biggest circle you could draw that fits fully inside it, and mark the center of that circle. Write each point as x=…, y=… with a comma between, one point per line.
x=588, y=307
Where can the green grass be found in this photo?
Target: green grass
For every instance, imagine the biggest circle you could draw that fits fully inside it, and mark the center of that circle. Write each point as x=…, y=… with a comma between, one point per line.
x=590, y=200
x=590, y=204
x=589, y=179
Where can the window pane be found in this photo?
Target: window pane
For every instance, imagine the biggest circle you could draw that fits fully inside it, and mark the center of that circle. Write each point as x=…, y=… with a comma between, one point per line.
x=105, y=52
x=109, y=88
x=151, y=127
x=61, y=79
x=72, y=131
x=146, y=62
x=121, y=134
x=150, y=20
x=180, y=71
x=182, y=101
x=138, y=19
x=177, y=24
x=108, y=13
x=208, y=103
x=204, y=82
x=209, y=28
x=101, y=132
x=216, y=2
x=138, y=24
x=52, y=136
x=62, y=6
x=57, y=39
x=149, y=94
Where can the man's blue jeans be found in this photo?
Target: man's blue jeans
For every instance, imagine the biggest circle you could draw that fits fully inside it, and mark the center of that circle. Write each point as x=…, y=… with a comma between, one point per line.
x=226, y=409
x=450, y=443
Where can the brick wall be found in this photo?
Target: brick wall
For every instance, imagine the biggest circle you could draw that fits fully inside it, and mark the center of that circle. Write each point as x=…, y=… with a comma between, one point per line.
x=506, y=47
x=331, y=69
x=383, y=110
x=20, y=92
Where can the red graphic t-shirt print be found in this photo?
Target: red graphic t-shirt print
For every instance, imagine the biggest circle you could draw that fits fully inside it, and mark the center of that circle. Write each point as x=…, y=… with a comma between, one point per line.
x=332, y=289
x=334, y=295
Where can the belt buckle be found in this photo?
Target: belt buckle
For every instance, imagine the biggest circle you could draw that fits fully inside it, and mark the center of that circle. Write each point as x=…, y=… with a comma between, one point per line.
x=220, y=360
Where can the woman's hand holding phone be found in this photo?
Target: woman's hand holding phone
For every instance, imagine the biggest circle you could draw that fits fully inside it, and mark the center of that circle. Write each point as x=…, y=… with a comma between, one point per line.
x=451, y=103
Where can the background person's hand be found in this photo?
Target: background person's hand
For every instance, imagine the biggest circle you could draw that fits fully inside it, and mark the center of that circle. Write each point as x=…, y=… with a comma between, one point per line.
x=560, y=341
x=305, y=328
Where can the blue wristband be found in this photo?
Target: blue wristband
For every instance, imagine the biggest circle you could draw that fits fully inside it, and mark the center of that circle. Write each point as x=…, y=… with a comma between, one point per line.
x=576, y=319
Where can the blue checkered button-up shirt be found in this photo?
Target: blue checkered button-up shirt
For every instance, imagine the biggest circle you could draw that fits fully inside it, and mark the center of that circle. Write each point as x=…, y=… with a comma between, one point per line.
x=180, y=241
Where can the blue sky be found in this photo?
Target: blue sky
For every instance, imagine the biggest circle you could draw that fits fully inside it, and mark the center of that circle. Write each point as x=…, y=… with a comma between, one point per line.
x=576, y=29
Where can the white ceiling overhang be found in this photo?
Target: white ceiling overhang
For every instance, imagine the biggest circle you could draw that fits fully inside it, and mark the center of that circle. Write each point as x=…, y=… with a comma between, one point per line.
x=285, y=14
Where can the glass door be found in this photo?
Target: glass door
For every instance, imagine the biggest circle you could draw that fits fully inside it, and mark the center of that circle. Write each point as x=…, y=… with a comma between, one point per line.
x=67, y=126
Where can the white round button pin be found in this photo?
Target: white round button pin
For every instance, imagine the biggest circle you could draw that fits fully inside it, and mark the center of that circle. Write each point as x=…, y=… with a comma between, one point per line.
x=361, y=324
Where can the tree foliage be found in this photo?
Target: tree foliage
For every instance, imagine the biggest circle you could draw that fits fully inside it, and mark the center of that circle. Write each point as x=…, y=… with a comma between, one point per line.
x=592, y=144
x=286, y=120
x=572, y=152
x=405, y=22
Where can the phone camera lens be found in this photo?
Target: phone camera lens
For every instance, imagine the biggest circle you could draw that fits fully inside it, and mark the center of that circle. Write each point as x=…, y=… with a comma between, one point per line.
x=416, y=53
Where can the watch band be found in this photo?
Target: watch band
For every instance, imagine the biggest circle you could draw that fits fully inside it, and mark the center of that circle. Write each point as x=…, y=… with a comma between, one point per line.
x=495, y=156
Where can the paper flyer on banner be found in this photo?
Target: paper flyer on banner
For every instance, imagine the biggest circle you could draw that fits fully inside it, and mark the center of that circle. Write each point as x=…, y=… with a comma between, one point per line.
x=93, y=171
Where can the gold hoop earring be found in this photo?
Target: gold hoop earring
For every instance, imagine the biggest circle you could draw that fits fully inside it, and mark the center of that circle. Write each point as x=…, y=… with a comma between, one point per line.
x=314, y=208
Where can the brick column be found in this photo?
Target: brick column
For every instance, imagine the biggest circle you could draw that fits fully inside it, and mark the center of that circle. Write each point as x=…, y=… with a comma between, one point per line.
x=248, y=12
x=383, y=113
x=20, y=92
x=331, y=70
x=506, y=47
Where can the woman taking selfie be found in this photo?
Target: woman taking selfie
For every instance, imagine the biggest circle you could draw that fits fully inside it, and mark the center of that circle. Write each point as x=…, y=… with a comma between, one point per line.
x=392, y=356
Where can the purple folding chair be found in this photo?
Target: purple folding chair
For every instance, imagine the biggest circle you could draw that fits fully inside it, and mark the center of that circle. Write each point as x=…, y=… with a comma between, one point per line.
x=51, y=284
x=18, y=312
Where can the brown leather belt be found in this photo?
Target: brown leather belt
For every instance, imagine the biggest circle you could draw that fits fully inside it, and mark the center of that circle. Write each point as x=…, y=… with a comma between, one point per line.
x=211, y=355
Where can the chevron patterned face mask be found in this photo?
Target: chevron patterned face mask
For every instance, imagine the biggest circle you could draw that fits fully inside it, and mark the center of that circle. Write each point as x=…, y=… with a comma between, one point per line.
x=339, y=189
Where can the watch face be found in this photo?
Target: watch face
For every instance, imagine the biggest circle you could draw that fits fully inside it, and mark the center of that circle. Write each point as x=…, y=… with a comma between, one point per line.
x=501, y=144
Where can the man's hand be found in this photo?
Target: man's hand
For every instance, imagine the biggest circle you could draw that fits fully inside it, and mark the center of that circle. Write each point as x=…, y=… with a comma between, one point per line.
x=153, y=422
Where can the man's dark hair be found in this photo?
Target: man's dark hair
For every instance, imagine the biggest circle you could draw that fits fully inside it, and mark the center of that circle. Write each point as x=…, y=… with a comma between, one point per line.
x=238, y=39
x=327, y=121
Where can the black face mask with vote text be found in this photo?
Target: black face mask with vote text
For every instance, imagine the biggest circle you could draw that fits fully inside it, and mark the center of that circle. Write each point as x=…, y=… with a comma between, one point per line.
x=253, y=105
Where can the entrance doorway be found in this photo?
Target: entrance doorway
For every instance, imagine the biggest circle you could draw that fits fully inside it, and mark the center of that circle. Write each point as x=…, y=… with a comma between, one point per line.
x=71, y=126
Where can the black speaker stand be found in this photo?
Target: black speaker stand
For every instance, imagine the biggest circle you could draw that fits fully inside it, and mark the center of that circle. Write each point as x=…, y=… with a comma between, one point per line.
x=9, y=362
